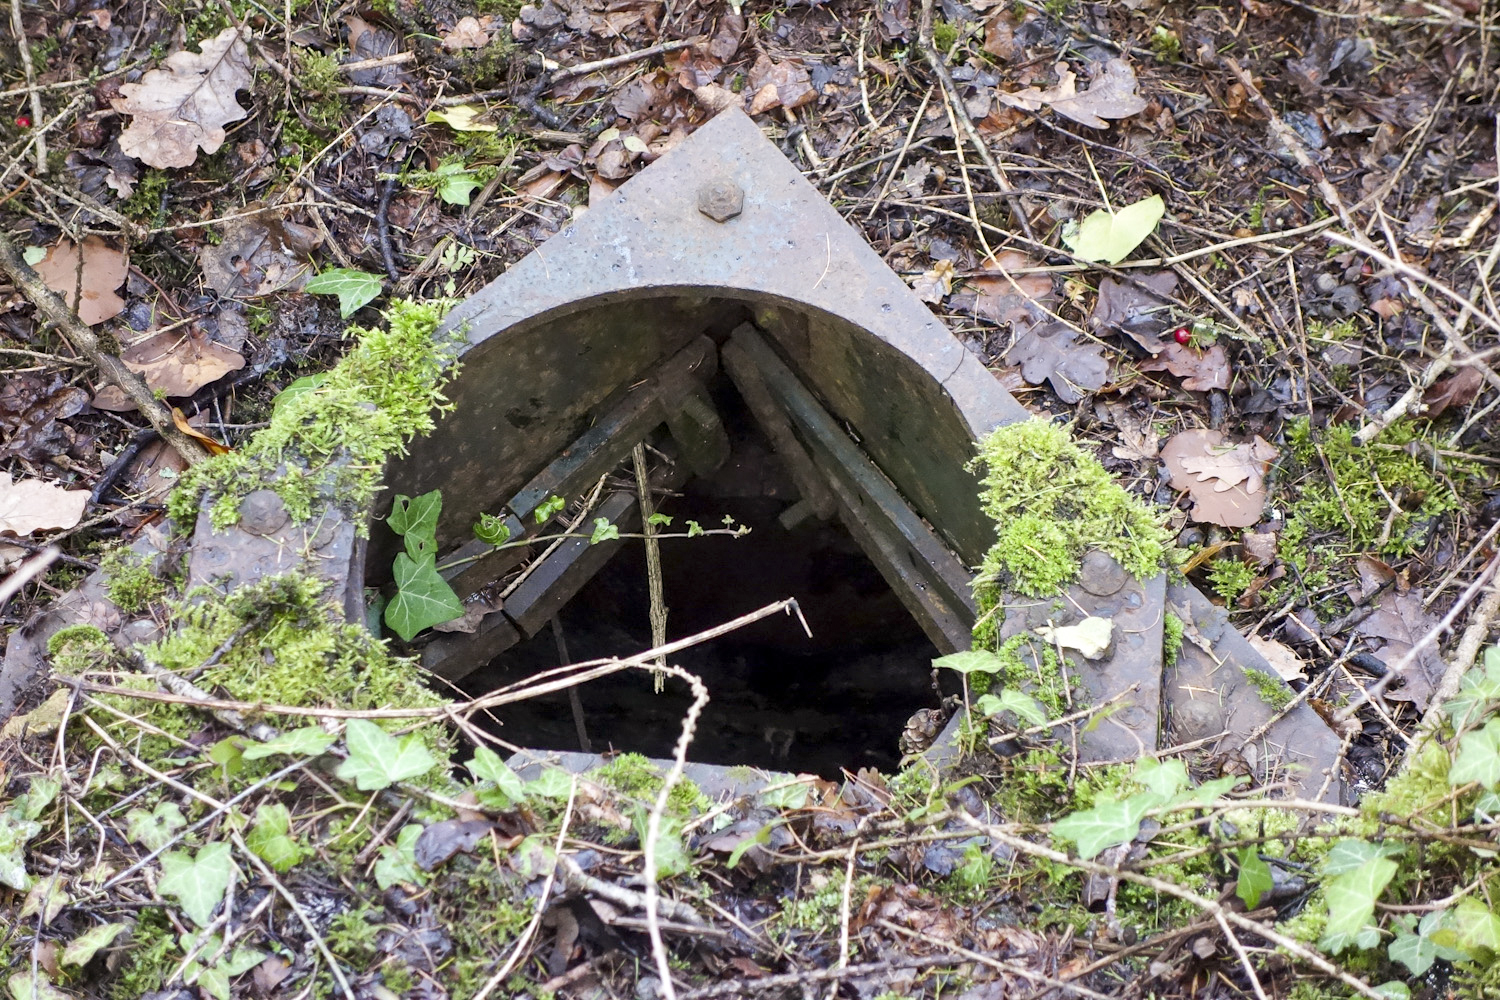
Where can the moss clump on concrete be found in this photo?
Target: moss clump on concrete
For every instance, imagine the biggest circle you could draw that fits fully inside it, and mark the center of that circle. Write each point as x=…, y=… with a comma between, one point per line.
x=1052, y=502
x=634, y=775
x=131, y=580
x=333, y=440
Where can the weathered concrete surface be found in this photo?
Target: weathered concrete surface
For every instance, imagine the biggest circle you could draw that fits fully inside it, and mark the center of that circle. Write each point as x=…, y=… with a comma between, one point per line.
x=625, y=285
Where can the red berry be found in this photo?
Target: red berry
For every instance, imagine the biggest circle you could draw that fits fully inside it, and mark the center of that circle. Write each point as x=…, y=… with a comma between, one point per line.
x=1182, y=335
x=23, y=121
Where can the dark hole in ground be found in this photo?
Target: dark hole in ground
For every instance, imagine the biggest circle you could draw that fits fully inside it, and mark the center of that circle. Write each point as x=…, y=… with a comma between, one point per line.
x=780, y=699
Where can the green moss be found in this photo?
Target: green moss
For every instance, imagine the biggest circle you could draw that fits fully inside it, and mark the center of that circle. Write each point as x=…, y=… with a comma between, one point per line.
x=634, y=775
x=944, y=36
x=1165, y=44
x=151, y=957
x=1052, y=502
x=1378, y=500
x=383, y=393
x=75, y=640
x=1272, y=690
x=1172, y=629
x=352, y=936
x=131, y=580
x=145, y=202
x=1230, y=578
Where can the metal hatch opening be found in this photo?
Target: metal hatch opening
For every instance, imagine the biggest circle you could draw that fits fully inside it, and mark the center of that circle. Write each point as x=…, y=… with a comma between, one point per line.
x=780, y=700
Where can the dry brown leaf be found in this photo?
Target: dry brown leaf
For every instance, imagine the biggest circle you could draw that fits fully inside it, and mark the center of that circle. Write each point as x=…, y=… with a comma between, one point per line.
x=93, y=298
x=1000, y=36
x=1402, y=622
x=215, y=447
x=1112, y=94
x=1458, y=389
x=1051, y=352
x=1225, y=481
x=1200, y=371
x=177, y=363
x=1260, y=546
x=184, y=105
x=793, y=86
x=1002, y=296
x=1139, y=308
x=726, y=40
x=468, y=33
x=29, y=505
x=1287, y=664
x=1138, y=438
x=934, y=285
x=259, y=254
x=765, y=99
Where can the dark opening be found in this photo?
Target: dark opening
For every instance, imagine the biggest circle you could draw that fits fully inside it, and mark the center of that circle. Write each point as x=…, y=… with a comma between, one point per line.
x=780, y=700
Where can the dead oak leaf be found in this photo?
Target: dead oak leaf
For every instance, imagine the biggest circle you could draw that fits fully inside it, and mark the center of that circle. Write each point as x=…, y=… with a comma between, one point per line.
x=1138, y=308
x=89, y=292
x=793, y=84
x=1002, y=295
x=1052, y=353
x=1401, y=622
x=1112, y=94
x=468, y=33
x=175, y=363
x=184, y=104
x=29, y=505
x=1225, y=481
x=1287, y=664
x=1200, y=371
x=1455, y=390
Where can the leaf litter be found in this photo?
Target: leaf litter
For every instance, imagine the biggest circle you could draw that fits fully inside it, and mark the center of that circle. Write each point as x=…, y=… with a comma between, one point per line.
x=183, y=105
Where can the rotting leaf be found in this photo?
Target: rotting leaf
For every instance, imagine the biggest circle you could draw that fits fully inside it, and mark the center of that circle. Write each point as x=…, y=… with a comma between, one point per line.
x=176, y=363
x=1137, y=308
x=259, y=254
x=934, y=285
x=790, y=86
x=1112, y=94
x=1090, y=637
x=1458, y=389
x=1287, y=664
x=184, y=104
x=1002, y=296
x=1225, y=481
x=445, y=838
x=1200, y=371
x=1401, y=621
x=90, y=294
x=468, y=33
x=1052, y=352
x=29, y=505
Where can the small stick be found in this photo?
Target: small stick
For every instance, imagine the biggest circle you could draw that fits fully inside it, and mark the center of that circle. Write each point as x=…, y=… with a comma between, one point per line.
x=24, y=49
x=658, y=611
x=574, y=701
x=622, y=60
x=26, y=572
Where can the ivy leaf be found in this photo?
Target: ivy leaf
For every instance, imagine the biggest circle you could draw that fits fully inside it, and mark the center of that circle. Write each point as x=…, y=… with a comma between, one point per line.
x=1027, y=708
x=1477, y=692
x=1351, y=854
x=1110, y=236
x=300, y=387
x=1393, y=990
x=548, y=507
x=1255, y=877
x=309, y=741
x=416, y=515
x=1110, y=823
x=1478, y=929
x=660, y=519
x=199, y=883
x=486, y=765
x=792, y=796
x=492, y=530
x=552, y=783
x=398, y=862
x=1210, y=792
x=423, y=598
x=1351, y=903
x=354, y=288
x=1478, y=757
x=603, y=531
x=970, y=661
x=34, y=255
x=14, y=834
x=270, y=838
x=1161, y=779
x=694, y=529
x=1414, y=951
x=378, y=760
x=672, y=856
x=86, y=945
x=155, y=829
x=39, y=796
x=26, y=986
x=456, y=184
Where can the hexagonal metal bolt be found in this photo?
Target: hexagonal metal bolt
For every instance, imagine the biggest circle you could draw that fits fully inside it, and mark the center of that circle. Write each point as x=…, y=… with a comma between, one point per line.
x=721, y=200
